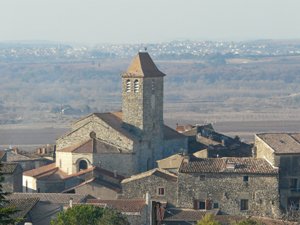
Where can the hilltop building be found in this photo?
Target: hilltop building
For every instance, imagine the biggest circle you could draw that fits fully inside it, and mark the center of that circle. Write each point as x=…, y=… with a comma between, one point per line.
x=129, y=141
x=126, y=142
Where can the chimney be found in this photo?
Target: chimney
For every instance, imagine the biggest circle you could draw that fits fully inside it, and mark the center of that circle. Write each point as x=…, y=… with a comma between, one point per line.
x=186, y=159
x=71, y=203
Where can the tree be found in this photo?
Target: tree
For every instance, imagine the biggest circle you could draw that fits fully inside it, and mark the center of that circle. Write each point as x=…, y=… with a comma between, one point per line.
x=113, y=217
x=208, y=219
x=6, y=212
x=89, y=214
x=247, y=222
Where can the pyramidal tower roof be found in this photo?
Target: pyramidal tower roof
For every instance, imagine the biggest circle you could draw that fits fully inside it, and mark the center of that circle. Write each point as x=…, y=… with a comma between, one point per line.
x=143, y=66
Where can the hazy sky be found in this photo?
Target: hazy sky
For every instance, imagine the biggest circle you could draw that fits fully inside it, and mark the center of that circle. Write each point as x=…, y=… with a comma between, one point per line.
x=140, y=21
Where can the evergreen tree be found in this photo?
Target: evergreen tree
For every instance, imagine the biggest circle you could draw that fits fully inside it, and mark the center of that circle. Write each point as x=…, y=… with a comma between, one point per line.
x=6, y=212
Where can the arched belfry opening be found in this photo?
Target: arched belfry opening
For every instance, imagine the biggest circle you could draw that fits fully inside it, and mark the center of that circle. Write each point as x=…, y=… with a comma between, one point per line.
x=82, y=165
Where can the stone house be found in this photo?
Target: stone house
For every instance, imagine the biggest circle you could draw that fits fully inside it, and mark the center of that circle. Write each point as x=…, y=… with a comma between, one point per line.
x=159, y=183
x=12, y=173
x=99, y=187
x=137, y=135
x=282, y=150
x=51, y=178
x=234, y=186
x=41, y=208
x=208, y=143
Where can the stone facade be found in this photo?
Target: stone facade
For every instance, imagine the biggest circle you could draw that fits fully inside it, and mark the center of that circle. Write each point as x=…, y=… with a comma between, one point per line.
x=282, y=150
x=226, y=192
x=132, y=140
x=12, y=174
x=160, y=184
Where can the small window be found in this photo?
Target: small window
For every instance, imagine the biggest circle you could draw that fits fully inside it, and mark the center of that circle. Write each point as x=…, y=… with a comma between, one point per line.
x=201, y=205
x=293, y=183
x=152, y=86
x=161, y=191
x=26, y=186
x=136, y=86
x=202, y=177
x=244, y=204
x=245, y=178
x=216, y=205
x=128, y=85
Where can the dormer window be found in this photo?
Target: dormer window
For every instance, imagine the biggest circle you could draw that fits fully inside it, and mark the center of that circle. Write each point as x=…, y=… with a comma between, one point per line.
x=128, y=85
x=136, y=86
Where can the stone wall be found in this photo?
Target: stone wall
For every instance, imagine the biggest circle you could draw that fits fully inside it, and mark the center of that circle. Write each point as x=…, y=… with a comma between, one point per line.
x=138, y=188
x=262, y=150
x=173, y=146
x=97, y=191
x=102, y=130
x=227, y=190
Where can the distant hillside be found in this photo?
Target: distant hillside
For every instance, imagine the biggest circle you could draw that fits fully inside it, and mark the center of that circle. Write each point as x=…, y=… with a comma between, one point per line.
x=215, y=87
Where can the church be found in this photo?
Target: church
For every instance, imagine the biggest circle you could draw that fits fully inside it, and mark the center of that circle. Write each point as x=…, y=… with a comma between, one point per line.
x=129, y=141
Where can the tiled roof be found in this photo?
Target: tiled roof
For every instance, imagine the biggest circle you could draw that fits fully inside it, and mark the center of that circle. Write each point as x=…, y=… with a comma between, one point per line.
x=43, y=170
x=56, y=198
x=158, y=172
x=142, y=66
x=178, y=214
x=23, y=205
x=122, y=205
x=282, y=143
x=91, y=146
x=104, y=183
x=227, y=165
x=8, y=167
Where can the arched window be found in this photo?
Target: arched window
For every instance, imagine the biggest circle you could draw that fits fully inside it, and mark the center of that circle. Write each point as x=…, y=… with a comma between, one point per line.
x=136, y=86
x=128, y=85
x=82, y=165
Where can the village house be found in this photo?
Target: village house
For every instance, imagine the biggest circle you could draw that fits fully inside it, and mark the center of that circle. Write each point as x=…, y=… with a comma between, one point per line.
x=160, y=184
x=126, y=142
x=12, y=174
x=41, y=208
x=282, y=150
x=234, y=186
x=208, y=143
x=95, y=180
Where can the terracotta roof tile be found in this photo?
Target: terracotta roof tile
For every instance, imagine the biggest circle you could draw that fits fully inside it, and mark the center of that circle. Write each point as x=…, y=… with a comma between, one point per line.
x=41, y=170
x=282, y=143
x=143, y=66
x=228, y=165
x=122, y=205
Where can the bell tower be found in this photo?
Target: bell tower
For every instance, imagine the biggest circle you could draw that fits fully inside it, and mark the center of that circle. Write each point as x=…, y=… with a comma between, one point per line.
x=142, y=96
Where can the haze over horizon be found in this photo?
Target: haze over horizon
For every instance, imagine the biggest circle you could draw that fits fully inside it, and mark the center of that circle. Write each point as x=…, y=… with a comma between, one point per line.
x=136, y=21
